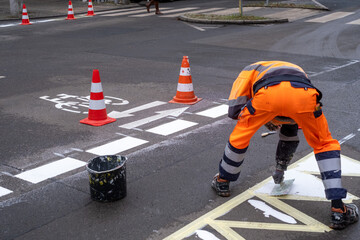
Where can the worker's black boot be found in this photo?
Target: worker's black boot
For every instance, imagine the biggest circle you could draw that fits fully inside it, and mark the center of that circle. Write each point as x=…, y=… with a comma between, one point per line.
x=221, y=186
x=340, y=219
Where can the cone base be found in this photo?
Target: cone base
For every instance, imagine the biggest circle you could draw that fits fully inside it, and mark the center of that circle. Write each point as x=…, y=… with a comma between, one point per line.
x=97, y=122
x=90, y=14
x=25, y=23
x=70, y=18
x=185, y=101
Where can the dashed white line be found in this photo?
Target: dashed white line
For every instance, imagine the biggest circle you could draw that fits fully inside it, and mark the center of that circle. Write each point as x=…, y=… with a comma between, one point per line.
x=4, y=191
x=330, y=17
x=215, y=112
x=50, y=170
x=335, y=68
x=348, y=137
x=117, y=146
x=172, y=127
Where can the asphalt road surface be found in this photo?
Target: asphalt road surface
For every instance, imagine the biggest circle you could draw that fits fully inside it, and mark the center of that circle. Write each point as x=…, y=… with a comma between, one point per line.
x=173, y=150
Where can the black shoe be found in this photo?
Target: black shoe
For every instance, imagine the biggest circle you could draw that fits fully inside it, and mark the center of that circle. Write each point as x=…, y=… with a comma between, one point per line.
x=341, y=219
x=221, y=187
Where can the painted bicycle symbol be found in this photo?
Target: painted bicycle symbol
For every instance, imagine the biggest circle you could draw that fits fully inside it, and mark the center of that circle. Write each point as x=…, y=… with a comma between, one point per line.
x=73, y=103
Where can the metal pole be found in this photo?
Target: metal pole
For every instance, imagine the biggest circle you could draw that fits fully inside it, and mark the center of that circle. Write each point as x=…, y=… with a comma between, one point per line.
x=240, y=8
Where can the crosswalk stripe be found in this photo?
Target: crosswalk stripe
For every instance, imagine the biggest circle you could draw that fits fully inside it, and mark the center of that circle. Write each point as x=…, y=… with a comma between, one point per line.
x=50, y=170
x=215, y=111
x=167, y=11
x=356, y=22
x=194, y=11
x=330, y=17
x=119, y=11
x=171, y=127
x=4, y=191
x=117, y=146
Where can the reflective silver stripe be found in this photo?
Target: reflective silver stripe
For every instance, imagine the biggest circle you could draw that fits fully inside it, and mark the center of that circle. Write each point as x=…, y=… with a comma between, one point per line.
x=282, y=137
x=236, y=157
x=185, y=87
x=239, y=101
x=262, y=68
x=332, y=183
x=97, y=104
x=284, y=70
x=251, y=67
x=96, y=87
x=230, y=169
x=331, y=164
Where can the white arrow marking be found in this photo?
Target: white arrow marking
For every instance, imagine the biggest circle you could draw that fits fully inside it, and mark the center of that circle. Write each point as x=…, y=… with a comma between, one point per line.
x=161, y=114
x=128, y=113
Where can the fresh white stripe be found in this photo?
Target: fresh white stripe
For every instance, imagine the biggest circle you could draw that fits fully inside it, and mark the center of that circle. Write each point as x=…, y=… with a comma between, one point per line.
x=97, y=104
x=185, y=72
x=348, y=137
x=193, y=11
x=96, y=87
x=121, y=10
x=185, y=87
x=127, y=12
x=171, y=127
x=117, y=146
x=330, y=17
x=215, y=111
x=4, y=191
x=50, y=170
x=356, y=22
x=164, y=11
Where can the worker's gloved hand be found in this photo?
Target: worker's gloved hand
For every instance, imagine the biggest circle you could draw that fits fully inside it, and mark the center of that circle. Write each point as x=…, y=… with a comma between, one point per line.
x=278, y=176
x=271, y=126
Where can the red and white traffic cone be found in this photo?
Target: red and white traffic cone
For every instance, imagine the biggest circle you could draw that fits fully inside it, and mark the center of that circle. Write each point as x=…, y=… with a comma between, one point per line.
x=97, y=115
x=185, y=90
x=90, y=9
x=25, y=17
x=70, y=12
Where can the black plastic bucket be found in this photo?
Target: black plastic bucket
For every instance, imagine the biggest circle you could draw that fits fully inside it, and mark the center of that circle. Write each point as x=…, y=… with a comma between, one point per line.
x=107, y=176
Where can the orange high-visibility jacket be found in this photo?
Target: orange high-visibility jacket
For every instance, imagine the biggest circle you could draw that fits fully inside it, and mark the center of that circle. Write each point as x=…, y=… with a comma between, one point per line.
x=260, y=74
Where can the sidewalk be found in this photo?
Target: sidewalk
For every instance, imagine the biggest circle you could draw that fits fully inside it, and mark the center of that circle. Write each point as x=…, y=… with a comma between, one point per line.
x=56, y=8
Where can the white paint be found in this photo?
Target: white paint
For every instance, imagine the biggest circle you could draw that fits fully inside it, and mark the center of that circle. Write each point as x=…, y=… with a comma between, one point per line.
x=120, y=10
x=269, y=211
x=128, y=113
x=335, y=68
x=319, y=4
x=330, y=17
x=165, y=11
x=194, y=11
x=117, y=146
x=4, y=191
x=171, y=127
x=205, y=235
x=196, y=27
x=161, y=114
x=127, y=13
x=50, y=170
x=1, y=77
x=348, y=137
x=355, y=22
x=215, y=112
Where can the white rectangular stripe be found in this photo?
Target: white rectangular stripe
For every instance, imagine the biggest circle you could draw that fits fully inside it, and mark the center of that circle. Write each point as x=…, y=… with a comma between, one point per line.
x=356, y=22
x=193, y=11
x=50, y=170
x=4, y=191
x=171, y=127
x=117, y=146
x=215, y=111
x=164, y=11
x=330, y=17
x=127, y=10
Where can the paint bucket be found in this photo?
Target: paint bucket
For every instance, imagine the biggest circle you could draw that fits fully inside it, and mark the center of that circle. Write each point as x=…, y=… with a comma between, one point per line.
x=107, y=176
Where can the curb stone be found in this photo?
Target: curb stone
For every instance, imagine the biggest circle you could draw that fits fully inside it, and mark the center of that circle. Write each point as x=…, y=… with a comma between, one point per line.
x=238, y=22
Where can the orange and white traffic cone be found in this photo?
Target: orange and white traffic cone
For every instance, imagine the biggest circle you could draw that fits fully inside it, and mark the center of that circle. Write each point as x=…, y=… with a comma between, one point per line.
x=70, y=12
x=97, y=115
x=185, y=90
x=25, y=17
x=90, y=9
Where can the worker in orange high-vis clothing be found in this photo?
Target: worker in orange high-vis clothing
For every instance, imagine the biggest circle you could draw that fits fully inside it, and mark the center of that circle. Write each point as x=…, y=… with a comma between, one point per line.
x=279, y=95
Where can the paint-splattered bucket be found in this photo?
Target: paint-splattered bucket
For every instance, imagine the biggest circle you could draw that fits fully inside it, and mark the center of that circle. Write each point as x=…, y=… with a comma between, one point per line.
x=107, y=176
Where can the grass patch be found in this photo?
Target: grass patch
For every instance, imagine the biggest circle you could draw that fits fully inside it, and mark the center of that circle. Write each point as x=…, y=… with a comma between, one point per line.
x=223, y=17
x=282, y=5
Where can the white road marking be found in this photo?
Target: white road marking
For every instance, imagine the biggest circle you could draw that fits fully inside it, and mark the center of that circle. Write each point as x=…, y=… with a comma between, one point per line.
x=196, y=27
x=120, y=11
x=330, y=17
x=50, y=170
x=171, y=127
x=128, y=113
x=335, y=68
x=143, y=10
x=1, y=77
x=355, y=22
x=164, y=11
x=348, y=137
x=4, y=191
x=160, y=114
x=193, y=11
x=215, y=112
x=117, y=146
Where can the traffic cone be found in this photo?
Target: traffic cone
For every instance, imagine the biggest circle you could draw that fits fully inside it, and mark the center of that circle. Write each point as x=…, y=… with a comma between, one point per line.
x=70, y=12
x=185, y=90
x=25, y=17
x=97, y=115
x=90, y=9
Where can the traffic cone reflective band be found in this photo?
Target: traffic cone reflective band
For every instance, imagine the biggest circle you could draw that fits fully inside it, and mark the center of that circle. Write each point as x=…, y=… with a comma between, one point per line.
x=70, y=12
x=25, y=16
x=90, y=9
x=97, y=115
x=185, y=90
